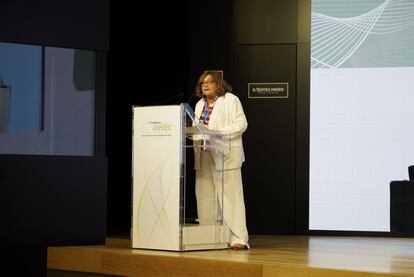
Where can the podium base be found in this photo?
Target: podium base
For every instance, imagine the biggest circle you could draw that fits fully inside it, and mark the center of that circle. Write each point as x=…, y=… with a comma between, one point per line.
x=204, y=237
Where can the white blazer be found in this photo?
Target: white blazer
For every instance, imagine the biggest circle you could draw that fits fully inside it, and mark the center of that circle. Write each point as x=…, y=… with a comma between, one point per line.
x=227, y=117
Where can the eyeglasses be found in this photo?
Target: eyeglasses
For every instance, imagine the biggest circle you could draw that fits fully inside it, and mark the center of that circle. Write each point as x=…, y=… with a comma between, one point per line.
x=208, y=82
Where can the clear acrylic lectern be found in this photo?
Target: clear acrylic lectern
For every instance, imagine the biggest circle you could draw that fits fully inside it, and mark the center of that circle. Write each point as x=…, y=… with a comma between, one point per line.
x=162, y=139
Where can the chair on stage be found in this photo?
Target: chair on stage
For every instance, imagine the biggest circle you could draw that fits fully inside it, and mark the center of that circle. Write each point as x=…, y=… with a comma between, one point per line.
x=402, y=204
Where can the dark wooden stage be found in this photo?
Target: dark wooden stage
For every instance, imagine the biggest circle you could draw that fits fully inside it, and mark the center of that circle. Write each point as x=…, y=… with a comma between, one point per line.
x=311, y=256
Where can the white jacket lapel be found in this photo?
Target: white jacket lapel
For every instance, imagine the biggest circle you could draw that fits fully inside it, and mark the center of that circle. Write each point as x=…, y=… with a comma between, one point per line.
x=217, y=109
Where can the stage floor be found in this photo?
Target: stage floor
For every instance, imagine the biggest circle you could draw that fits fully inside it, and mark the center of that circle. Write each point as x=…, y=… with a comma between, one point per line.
x=270, y=256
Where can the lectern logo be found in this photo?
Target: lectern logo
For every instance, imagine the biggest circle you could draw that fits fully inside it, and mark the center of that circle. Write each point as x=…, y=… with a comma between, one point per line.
x=156, y=128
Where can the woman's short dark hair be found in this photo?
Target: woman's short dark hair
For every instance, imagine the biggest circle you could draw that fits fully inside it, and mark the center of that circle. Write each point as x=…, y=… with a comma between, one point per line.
x=222, y=85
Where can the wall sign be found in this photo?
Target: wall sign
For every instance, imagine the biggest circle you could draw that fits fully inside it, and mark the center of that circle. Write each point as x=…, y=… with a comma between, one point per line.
x=268, y=90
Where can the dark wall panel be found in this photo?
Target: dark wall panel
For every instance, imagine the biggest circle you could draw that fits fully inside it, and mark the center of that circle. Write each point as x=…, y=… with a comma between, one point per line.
x=211, y=40
x=266, y=21
x=269, y=142
x=304, y=22
x=49, y=200
x=146, y=67
x=80, y=24
x=302, y=138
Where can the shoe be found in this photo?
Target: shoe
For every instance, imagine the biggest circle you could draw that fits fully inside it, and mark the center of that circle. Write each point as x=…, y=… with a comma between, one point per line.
x=238, y=246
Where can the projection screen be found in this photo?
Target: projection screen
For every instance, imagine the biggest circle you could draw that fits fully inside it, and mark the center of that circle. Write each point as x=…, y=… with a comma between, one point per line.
x=362, y=110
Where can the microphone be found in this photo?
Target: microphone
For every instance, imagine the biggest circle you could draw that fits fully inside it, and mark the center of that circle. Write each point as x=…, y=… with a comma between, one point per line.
x=191, y=98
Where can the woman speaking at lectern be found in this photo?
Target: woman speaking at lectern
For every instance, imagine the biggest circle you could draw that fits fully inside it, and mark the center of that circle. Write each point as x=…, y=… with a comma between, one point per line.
x=220, y=110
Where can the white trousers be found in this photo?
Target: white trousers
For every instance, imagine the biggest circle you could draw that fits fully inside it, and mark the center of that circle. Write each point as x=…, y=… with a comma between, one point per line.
x=208, y=188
